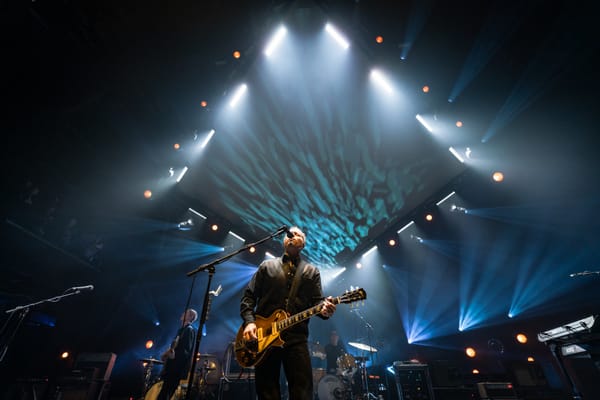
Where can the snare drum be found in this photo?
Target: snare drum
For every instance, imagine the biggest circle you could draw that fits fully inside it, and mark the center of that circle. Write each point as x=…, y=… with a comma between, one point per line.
x=346, y=365
x=331, y=387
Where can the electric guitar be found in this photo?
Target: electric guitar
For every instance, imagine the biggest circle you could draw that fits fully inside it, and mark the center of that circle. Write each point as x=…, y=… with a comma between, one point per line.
x=268, y=330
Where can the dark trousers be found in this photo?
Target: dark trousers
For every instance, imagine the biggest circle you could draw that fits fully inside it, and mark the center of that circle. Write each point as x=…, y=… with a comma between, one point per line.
x=298, y=371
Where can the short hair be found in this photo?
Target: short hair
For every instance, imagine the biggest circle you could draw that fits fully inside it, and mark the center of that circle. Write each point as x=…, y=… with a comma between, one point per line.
x=194, y=312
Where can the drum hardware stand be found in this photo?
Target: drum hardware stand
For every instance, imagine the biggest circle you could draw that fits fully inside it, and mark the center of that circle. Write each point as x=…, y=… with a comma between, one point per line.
x=363, y=364
x=210, y=267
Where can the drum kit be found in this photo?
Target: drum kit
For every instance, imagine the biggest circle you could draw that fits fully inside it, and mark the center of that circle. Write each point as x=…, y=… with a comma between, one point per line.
x=206, y=378
x=350, y=380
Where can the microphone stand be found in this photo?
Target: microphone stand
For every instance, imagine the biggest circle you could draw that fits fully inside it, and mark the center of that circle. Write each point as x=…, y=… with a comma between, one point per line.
x=210, y=267
x=21, y=312
x=364, y=374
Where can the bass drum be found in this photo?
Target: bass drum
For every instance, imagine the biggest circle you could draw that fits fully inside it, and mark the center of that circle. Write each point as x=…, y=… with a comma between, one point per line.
x=152, y=393
x=331, y=388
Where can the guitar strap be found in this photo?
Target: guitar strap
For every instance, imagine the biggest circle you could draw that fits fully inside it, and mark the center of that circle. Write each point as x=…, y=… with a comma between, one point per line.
x=295, y=284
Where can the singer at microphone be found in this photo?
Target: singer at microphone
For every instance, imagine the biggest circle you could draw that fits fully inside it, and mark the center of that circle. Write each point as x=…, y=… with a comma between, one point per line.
x=287, y=231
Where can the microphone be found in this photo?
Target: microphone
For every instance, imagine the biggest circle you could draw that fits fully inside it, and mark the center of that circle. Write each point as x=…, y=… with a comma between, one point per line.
x=82, y=288
x=287, y=231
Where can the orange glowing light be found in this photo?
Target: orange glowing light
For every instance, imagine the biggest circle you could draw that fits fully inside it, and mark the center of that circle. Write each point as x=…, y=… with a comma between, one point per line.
x=149, y=344
x=203, y=103
x=470, y=352
x=64, y=355
x=214, y=227
x=530, y=359
x=425, y=89
x=498, y=176
x=459, y=124
x=429, y=217
x=252, y=249
x=475, y=371
x=521, y=338
x=147, y=193
x=379, y=39
x=392, y=242
x=237, y=54
x=176, y=146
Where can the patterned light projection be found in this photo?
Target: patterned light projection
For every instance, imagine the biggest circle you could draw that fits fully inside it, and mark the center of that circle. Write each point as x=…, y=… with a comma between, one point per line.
x=314, y=144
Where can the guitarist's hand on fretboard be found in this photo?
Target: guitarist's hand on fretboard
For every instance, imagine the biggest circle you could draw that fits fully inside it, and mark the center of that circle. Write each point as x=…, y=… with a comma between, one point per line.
x=328, y=307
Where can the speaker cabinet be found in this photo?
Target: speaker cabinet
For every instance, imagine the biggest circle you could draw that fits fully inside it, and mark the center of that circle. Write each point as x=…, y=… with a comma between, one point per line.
x=413, y=381
x=237, y=389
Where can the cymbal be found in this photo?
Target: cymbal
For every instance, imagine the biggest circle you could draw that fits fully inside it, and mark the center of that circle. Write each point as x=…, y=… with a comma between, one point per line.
x=151, y=360
x=362, y=346
x=206, y=355
x=316, y=350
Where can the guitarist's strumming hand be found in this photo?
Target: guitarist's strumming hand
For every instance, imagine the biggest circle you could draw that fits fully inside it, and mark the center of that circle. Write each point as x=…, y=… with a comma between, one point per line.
x=328, y=307
x=250, y=332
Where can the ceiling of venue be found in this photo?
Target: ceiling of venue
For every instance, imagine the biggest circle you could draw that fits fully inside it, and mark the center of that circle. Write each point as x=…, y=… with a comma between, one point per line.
x=106, y=102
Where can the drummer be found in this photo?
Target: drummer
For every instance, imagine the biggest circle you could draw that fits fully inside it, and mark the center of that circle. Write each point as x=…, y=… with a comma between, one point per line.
x=333, y=350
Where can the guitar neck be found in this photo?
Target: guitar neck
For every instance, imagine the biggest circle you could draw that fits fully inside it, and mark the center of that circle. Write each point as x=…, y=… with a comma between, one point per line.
x=302, y=316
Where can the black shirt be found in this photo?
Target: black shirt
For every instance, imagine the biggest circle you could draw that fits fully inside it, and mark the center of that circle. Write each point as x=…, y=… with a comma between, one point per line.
x=269, y=288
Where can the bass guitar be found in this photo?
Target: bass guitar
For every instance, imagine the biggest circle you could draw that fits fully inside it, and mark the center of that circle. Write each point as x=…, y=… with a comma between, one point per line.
x=268, y=330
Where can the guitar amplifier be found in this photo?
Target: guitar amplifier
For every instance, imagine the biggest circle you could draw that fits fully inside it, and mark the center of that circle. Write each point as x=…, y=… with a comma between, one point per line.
x=104, y=362
x=232, y=370
x=413, y=381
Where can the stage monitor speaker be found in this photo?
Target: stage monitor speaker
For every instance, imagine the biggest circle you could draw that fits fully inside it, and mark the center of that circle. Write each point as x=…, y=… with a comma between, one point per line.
x=496, y=391
x=237, y=389
x=104, y=362
x=413, y=381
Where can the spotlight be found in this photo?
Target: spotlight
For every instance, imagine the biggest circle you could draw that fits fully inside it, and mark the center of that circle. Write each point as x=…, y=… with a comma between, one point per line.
x=459, y=124
x=381, y=81
x=455, y=154
x=424, y=123
x=147, y=193
x=203, y=103
x=205, y=142
x=149, y=344
x=521, y=338
x=530, y=359
x=405, y=227
x=277, y=38
x=417, y=238
x=238, y=95
x=183, y=171
x=157, y=323
x=468, y=152
x=185, y=225
x=236, y=54
x=171, y=171
x=498, y=176
x=475, y=371
x=214, y=227
x=252, y=249
x=445, y=198
x=428, y=217
x=392, y=242
x=64, y=355
x=336, y=35
x=470, y=352
x=379, y=39
x=371, y=250
x=358, y=265
x=425, y=89
x=458, y=209
x=176, y=146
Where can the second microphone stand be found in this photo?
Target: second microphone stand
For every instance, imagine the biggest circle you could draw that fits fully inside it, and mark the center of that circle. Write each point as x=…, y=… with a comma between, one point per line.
x=210, y=267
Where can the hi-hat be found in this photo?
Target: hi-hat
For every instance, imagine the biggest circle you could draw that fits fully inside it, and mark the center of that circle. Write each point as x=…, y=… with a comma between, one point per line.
x=151, y=360
x=362, y=346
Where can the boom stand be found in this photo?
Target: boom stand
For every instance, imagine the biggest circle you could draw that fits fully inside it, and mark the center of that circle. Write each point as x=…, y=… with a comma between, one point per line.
x=6, y=336
x=210, y=267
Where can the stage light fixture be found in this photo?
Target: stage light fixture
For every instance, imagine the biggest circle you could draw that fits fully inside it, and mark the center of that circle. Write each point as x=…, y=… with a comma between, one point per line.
x=183, y=171
x=424, y=123
x=157, y=323
x=498, y=176
x=185, y=225
x=238, y=237
x=238, y=95
x=392, y=242
x=445, y=198
x=171, y=171
x=470, y=352
x=358, y=265
x=475, y=371
x=237, y=54
x=176, y=146
x=455, y=154
x=203, y=103
x=371, y=250
x=468, y=152
x=379, y=39
x=428, y=217
x=252, y=249
x=64, y=355
x=521, y=338
x=269, y=255
x=275, y=41
x=530, y=359
x=336, y=36
x=458, y=209
x=149, y=344
x=381, y=80
x=459, y=124
x=210, y=135
x=425, y=89
x=147, y=193
x=417, y=238
x=214, y=227
x=405, y=227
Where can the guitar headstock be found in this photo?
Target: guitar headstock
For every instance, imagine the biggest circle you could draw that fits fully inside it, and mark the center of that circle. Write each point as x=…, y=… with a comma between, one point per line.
x=353, y=295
